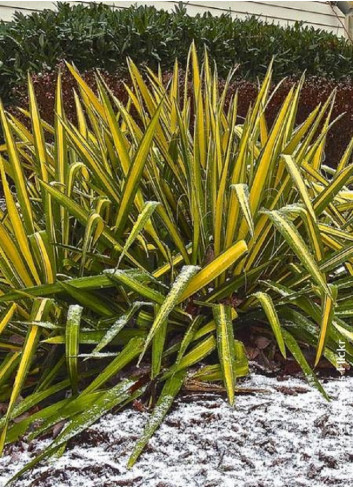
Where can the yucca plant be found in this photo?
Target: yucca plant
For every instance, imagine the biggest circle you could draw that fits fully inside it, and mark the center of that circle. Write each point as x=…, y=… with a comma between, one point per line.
x=152, y=234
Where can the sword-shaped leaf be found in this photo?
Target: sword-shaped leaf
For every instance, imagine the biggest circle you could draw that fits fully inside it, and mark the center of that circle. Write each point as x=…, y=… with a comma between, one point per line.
x=214, y=269
x=83, y=283
x=82, y=215
x=270, y=311
x=169, y=391
x=35, y=399
x=296, y=242
x=117, y=326
x=131, y=351
x=135, y=172
x=298, y=355
x=89, y=300
x=242, y=193
x=17, y=173
x=133, y=279
x=17, y=224
x=187, y=339
x=158, y=342
x=139, y=225
x=202, y=350
x=299, y=183
x=107, y=401
x=326, y=321
x=225, y=342
x=7, y=316
x=72, y=343
x=171, y=301
x=40, y=309
x=328, y=194
x=94, y=228
x=336, y=259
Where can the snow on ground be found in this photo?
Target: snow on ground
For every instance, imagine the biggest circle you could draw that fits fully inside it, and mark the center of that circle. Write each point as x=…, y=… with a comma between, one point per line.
x=288, y=436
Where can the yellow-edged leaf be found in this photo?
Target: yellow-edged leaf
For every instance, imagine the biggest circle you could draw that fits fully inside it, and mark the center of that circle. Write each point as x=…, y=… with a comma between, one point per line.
x=272, y=316
x=214, y=269
x=296, y=242
x=326, y=321
x=171, y=301
x=225, y=342
x=72, y=343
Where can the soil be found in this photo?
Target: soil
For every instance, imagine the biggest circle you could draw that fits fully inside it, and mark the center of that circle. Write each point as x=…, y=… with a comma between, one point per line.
x=284, y=435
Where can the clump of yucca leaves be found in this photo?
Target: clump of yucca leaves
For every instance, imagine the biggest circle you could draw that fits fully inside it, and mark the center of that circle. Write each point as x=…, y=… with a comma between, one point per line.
x=154, y=232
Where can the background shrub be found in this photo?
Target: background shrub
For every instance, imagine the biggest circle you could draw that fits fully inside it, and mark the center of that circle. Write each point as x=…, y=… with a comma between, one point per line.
x=315, y=90
x=98, y=37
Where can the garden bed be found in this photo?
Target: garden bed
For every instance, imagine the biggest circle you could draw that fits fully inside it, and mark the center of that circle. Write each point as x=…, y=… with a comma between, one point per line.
x=282, y=434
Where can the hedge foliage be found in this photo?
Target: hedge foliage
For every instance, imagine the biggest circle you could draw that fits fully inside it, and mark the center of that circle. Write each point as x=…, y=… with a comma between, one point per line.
x=98, y=37
x=314, y=91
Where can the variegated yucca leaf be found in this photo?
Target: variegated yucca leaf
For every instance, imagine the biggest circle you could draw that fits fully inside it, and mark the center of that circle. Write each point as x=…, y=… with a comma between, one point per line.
x=72, y=343
x=226, y=350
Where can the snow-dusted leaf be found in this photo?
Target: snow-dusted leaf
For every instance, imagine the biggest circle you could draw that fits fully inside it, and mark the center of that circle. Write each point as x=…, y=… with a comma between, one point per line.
x=169, y=391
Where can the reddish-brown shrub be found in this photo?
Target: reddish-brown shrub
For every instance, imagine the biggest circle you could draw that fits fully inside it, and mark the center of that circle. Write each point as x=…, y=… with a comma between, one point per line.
x=315, y=90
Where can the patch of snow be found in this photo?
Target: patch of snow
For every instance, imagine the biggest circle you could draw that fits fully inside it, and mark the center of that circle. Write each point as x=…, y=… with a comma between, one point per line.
x=287, y=436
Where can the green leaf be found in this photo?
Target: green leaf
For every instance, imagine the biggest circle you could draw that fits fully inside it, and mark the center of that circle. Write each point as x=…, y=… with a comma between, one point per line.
x=296, y=242
x=107, y=401
x=67, y=410
x=270, y=311
x=132, y=279
x=139, y=225
x=85, y=283
x=170, y=390
x=225, y=342
x=187, y=339
x=326, y=321
x=89, y=300
x=135, y=172
x=336, y=259
x=131, y=351
x=35, y=399
x=117, y=326
x=293, y=347
x=18, y=173
x=72, y=343
x=215, y=268
x=300, y=184
x=198, y=353
x=6, y=316
x=39, y=310
x=242, y=193
x=158, y=342
x=328, y=194
x=170, y=302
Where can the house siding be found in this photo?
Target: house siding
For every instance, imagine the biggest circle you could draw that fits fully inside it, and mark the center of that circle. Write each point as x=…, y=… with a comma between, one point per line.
x=318, y=14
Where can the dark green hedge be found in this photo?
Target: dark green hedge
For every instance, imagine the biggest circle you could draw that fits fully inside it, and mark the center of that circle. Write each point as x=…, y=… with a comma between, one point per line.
x=97, y=36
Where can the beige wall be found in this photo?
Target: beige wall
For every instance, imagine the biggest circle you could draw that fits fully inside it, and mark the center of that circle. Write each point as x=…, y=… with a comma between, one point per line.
x=319, y=14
